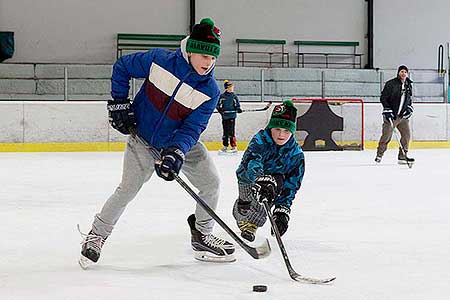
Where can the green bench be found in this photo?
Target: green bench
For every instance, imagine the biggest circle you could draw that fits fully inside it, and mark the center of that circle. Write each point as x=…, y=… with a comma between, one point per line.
x=277, y=50
x=357, y=57
x=136, y=41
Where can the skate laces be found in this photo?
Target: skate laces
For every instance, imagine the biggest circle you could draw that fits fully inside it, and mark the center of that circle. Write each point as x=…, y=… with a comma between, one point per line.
x=214, y=241
x=247, y=226
x=91, y=240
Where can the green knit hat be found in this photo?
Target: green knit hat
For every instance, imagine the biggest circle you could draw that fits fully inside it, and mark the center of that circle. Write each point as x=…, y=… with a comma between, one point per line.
x=284, y=116
x=204, y=38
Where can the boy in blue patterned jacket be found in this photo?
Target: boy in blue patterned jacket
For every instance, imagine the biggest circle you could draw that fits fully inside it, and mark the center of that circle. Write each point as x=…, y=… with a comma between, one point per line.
x=272, y=168
x=169, y=112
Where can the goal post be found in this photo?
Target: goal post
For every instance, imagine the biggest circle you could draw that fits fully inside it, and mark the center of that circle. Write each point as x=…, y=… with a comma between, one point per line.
x=330, y=123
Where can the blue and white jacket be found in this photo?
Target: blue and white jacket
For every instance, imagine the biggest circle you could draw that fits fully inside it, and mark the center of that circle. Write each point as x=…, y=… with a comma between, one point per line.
x=263, y=157
x=174, y=104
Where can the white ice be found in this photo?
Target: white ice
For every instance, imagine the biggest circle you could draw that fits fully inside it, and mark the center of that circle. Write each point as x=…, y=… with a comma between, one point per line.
x=383, y=230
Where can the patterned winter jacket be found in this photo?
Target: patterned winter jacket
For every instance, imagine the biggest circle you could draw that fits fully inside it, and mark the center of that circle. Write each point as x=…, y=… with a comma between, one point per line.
x=263, y=156
x=174, y=104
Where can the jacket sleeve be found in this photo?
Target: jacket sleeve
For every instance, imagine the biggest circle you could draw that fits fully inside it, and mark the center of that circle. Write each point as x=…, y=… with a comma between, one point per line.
x=188, y=134
x=410, y=93
x=219, y=105
x=385, y=95
x=252, y=164
x=237, y=104
x=135, y=65
x=292, y=182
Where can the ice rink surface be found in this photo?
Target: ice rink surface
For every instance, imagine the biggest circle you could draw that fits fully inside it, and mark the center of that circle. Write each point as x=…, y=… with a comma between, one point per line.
x=383, y=230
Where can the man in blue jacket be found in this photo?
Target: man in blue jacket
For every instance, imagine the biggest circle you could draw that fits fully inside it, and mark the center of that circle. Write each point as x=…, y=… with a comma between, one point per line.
x=170, y=111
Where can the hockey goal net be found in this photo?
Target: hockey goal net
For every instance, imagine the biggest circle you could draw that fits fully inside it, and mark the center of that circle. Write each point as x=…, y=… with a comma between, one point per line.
x=330, y=123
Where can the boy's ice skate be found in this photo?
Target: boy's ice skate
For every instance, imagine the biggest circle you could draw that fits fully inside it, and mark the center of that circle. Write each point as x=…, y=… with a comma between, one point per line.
x=223, y=150
x=233, y=150
x=91, y=248
x=248, y=230
x=208, y=247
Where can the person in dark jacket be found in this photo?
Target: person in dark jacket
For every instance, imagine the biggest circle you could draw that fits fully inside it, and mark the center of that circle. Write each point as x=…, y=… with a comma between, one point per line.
x=272, y=168
x=228, y=106
x=169, y=112
x=396, y=99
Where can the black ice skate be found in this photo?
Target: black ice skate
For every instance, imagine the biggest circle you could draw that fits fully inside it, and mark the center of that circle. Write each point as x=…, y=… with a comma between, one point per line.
x=248, y=230
x=91, y=248
x=208, y=247
x=403, y=159
x=378, y=159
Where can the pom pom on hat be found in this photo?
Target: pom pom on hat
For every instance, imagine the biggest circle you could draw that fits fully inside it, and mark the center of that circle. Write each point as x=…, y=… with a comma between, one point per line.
x=204, y=38
x=227, y=84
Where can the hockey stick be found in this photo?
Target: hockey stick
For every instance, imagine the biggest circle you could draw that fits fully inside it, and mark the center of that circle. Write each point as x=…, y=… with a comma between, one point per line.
x=255, y=252
x=248, y=110
x=294, y=275
x=401, y=146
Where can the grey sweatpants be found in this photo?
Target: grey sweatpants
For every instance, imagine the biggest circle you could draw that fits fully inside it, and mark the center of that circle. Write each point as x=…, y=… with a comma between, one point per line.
x=403, y=126
x=257, y=214
x=138, y=167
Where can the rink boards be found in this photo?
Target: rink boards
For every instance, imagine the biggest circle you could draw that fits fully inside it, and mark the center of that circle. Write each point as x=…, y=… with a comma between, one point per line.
x=83, y=126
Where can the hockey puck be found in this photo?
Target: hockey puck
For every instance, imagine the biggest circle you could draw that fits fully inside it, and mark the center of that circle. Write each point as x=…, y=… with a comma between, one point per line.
x=260, y=288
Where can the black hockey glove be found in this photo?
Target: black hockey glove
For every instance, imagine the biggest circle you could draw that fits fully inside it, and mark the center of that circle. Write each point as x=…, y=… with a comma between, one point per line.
x=267, y=187
x=171, y=161
x=121, y=116
x=239, y=110
x=281, y=218
x=408, y=112
x=388, y=114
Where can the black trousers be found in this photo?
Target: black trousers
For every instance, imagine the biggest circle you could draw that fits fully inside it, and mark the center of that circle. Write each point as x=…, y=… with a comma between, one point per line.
x=228, y=132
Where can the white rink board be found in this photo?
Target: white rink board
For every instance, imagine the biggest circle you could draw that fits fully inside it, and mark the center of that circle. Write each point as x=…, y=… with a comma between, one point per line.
x=65, y=122
x=81, y=121
x=11, y=122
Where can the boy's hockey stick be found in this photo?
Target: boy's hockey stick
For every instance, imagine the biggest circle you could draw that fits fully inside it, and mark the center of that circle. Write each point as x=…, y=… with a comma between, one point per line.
x=294, y=275
x=256, y=252
x=249, y=109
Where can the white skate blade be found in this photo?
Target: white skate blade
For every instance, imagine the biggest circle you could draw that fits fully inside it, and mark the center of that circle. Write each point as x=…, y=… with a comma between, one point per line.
x=209, y=257
x=403, y=162
x=85, y=262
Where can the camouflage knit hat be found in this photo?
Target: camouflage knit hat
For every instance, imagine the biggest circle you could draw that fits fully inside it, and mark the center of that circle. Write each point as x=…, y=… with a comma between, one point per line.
x=284, y=116
x=204, y=38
